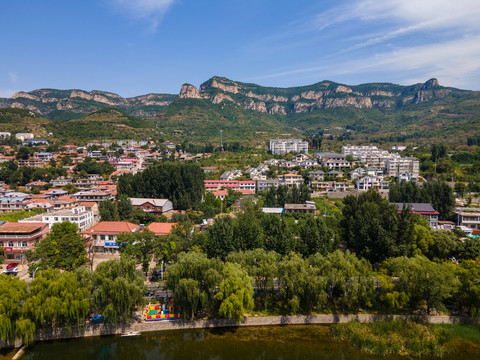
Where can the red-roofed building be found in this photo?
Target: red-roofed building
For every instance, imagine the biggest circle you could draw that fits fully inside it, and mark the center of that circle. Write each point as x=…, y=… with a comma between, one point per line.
x=16, y=239
x=104, y=235
x=161, y=229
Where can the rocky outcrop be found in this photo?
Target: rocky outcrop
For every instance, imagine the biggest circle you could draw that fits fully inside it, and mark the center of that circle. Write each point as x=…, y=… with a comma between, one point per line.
x=25, y=95
x=276, y=109
x=379, y=93
x=252, y=105
x=430, y=84
x=189, y=91
x=218, y=98
x=230, y=88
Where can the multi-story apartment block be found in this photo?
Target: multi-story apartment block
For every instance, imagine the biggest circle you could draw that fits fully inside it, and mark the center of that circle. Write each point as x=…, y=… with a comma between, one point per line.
x=372, y=182
x=283, y=146
x=266, y=184
x=396, y=166
x=290, y=180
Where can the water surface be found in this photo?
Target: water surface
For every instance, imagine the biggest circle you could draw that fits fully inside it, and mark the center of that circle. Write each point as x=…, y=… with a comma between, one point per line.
x=246, y=343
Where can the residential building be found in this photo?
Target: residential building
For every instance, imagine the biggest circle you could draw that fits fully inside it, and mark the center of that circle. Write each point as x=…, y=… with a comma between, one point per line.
x=93, y=195
x=424, y=209
x=317, y=175
x=468, y=217
x=79, y=215
x=103, y=236
x=161, y=229
x=273, y=210
x=18, y=238
x=5, y=135
x=266, y=184
x=35, y=142
x=372, y=182
x=11, y=204
x=397, y=165
x=283, y=146
x=154, y=206
x=290, y=180
x=24, y=136
x=307, y=208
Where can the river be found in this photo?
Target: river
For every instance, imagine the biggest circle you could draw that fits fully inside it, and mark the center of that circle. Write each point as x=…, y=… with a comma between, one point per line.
x=245, y=343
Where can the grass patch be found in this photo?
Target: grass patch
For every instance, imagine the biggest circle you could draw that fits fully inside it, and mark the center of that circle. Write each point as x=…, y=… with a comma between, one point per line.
x=407, y=338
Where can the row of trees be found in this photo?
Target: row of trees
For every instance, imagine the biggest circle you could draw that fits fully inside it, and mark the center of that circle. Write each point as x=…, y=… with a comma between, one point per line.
x=437, y=193
x=339, y=281
x=281, y=195
x=180, y=183
x=56, y=299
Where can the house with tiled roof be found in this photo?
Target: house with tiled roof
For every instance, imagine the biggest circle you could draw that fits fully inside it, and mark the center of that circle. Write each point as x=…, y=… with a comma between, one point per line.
x=16, y=239
x=424, y=209
x=104, y=235
x=161, y=228
x=154, y=206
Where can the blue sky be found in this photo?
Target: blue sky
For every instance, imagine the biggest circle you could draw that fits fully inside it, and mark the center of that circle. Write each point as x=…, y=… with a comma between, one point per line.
x=134, y=47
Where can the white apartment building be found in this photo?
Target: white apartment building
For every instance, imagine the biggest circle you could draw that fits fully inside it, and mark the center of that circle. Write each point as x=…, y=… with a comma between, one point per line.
x=283, y=146
x=372, y=182
x=5, y=135
x=24, y=136
x=396, y=166
x=79, y=215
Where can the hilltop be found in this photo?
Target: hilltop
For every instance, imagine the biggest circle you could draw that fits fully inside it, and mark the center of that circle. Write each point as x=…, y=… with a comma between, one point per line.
x=248, y=112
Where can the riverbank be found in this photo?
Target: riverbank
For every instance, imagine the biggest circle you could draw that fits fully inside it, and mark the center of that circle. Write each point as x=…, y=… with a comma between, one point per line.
x=102, y=330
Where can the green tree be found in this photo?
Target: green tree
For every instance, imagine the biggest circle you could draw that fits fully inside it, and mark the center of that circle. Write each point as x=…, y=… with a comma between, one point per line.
x=469, y=293
x=13, y=293
x=220, y=237
x=316, y=236
x=108, y=211
x=193, y=270
x=235, y=292
x=56, y=299
x=181, y=183
x=140, y=245
x=370, y=226
x=423, y=280
x=124, y=207
x=301, y=287
x=63, y=248
x=350, y=280
x=117, y=290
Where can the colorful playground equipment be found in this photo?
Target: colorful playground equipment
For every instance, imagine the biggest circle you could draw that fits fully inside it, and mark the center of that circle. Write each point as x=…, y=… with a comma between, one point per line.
x=161, y=312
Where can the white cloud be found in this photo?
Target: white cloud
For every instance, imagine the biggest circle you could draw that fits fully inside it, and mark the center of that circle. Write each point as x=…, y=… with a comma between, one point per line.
x=7, y=93
x=151, y=10
x=13, y=78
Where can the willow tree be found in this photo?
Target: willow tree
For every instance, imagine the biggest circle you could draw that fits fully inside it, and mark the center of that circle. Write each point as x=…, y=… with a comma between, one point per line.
x=235, y=292
x=13, y=292
x=193, y=280
x=57, y=299
x=117, y=290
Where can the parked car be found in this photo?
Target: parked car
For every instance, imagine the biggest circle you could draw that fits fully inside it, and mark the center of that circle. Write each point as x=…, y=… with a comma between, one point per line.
x=96, y=319
x=12, y=271
x=12, y=265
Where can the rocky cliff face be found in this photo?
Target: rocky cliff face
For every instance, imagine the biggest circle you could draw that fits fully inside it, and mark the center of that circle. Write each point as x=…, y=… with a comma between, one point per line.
x=283, y=101
x=320, y=96
x=45, y=101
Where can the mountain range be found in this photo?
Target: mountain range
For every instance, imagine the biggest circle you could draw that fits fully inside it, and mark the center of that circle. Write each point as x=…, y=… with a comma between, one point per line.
x=248, y=111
